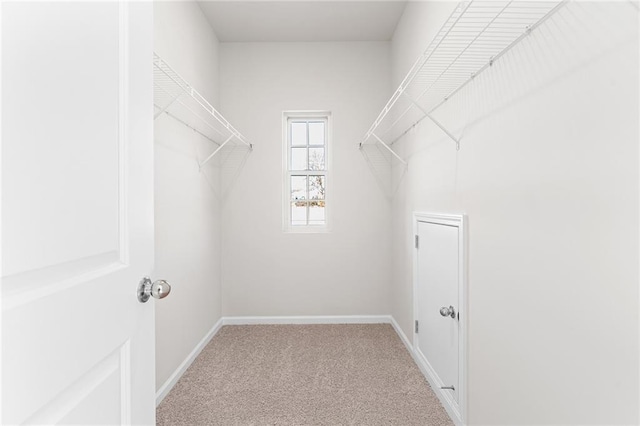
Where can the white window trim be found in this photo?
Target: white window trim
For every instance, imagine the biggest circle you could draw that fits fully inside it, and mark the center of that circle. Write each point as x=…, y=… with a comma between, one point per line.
x=286, y=190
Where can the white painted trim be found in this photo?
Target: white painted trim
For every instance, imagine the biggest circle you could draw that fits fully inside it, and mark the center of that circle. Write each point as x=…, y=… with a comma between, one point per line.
x=430, y=375
x=164, y=390
x=309, y=319
x=425, y=370
x=457, y=410
x=287, y=228
x=402, y=336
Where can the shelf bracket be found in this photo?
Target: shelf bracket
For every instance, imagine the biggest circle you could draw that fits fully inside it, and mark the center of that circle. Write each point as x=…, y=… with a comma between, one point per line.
x=215, y=152
x=415, y=103
x=389, y=148
x=159, y=113
x=437, y=123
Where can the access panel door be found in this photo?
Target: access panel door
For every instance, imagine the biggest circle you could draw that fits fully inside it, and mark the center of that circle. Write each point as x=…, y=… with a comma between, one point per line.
x=77, y=212
x=437, y=303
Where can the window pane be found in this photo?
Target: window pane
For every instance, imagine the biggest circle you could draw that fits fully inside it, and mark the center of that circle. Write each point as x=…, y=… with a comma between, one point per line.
x=316, y=133
x=316, y=158
x=316, y=213
x=298, y=134
x=298, y=158
x=298, y=187
x=316, y=187
x=298, y=213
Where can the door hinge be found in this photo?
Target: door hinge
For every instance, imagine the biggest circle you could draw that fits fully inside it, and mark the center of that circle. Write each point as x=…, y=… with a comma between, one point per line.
x=416, y=326
x=417, y=241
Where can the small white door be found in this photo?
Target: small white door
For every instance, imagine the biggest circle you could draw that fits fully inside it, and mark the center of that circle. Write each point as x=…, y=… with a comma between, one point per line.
x=438, y=302
x=77, y=212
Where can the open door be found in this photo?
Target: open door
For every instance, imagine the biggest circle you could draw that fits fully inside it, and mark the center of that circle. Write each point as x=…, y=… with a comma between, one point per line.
x=77, y=212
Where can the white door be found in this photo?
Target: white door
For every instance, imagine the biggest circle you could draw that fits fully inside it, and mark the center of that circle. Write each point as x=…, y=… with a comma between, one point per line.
x=438, y=270
x=77, y=212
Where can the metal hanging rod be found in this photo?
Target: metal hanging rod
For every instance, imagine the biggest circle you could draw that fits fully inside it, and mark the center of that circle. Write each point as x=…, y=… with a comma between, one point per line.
x=174, y=97
x=474, y=36
x=191, y=127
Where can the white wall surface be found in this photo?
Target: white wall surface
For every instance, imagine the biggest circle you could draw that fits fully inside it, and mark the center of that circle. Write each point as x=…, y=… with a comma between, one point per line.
x=267, y=271
x=548, y=176
x=187, y=209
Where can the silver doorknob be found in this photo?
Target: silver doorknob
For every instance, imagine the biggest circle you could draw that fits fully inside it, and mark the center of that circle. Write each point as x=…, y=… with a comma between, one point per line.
x=448, y=312
x=158, y=289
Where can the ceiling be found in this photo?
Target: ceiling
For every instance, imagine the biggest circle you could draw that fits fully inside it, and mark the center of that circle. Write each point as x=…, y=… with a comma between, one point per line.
x=303, y=21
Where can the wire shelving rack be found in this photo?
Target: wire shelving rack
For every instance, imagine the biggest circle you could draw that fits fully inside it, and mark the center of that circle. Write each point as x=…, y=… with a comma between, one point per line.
x=173, y=96
x=475, y=35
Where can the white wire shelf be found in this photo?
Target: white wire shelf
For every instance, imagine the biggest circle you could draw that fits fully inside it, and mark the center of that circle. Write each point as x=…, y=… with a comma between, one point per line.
x=475, y=35
x=174, y=97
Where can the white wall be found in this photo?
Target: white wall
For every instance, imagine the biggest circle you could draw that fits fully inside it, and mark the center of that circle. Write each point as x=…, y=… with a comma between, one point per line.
x=187, y=209
x=548, y=176
x=267, y=271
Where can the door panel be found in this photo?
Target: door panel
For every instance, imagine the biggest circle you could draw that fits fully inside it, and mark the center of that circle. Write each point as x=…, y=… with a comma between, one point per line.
x=62, y=68
x=437, y=268
x=77, y=212
x=100, y=392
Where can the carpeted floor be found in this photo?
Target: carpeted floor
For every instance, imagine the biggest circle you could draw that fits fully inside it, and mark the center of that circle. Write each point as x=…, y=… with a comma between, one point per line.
x=303, y=375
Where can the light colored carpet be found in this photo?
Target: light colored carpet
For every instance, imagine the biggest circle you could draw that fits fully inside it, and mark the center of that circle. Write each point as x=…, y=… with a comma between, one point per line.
x=347, y=374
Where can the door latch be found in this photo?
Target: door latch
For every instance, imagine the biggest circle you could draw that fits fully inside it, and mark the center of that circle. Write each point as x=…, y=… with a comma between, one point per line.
x=448, y=312
x=158, y=289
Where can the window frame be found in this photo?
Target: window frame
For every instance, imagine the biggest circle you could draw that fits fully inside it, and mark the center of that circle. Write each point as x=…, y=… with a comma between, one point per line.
x=289, y=117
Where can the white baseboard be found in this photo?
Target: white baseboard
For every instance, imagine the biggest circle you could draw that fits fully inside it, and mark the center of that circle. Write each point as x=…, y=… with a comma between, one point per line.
x=166, y=387
x=403, y=337
x=310, y=319
x=445, y=400
x=428, y=374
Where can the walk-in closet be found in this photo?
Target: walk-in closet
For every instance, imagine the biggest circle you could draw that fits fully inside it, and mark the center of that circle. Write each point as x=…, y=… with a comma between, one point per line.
x=320, y=212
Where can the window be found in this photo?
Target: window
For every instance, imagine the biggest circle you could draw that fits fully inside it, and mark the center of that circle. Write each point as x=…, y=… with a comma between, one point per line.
x=306, y=171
